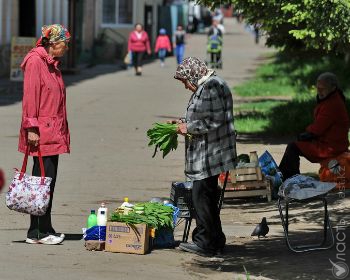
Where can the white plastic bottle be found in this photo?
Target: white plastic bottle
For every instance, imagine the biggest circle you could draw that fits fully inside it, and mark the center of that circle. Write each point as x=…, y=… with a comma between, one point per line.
x=102, y=215
x=126, y=206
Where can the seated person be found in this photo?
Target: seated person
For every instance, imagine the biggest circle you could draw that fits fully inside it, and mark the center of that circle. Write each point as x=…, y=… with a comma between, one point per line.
x=327, y=136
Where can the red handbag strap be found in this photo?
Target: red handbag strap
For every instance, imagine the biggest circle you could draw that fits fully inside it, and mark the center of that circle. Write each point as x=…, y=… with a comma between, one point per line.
x=25, y=161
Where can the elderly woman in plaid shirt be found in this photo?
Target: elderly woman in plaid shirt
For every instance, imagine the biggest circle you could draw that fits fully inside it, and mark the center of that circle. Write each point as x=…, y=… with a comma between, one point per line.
x=210, y=149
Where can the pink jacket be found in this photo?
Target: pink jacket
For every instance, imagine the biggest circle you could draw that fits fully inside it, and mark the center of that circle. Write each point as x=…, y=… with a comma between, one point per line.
x=139, y=45
x=163, y=42
x=44, y=104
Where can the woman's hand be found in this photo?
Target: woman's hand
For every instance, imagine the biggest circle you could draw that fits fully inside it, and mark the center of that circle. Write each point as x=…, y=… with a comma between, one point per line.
x=182, y=128
x=33, y=137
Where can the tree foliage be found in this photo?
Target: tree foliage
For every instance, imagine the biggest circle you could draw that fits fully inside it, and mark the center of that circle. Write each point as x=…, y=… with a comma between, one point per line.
x=322, y=25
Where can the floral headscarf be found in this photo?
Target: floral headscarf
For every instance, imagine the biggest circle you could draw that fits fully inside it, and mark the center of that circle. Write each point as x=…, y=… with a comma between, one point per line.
x=192, y=69
x=55, y=33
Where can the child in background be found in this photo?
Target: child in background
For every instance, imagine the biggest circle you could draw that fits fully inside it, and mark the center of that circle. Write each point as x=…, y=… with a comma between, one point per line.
x=2, y=179
x=162, y=45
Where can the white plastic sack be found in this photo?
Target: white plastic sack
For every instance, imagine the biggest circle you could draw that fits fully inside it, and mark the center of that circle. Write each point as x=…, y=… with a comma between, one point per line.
x=303, y=187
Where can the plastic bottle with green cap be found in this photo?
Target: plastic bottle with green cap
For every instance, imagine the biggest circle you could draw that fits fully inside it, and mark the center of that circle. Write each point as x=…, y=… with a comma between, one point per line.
x=92, y=219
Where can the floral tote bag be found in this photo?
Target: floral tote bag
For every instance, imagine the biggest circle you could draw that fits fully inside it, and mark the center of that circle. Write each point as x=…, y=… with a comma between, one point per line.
x=29, y=194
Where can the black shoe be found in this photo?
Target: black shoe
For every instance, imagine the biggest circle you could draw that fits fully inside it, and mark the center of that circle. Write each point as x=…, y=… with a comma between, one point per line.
x=138, y=73
x=219, y=251
x=193, y=248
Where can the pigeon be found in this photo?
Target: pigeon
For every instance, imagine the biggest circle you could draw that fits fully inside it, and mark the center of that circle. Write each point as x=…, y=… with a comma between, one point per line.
x=261, y=229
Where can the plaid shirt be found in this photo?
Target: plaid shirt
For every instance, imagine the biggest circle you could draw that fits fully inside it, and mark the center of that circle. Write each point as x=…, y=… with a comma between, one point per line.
x=209, y=119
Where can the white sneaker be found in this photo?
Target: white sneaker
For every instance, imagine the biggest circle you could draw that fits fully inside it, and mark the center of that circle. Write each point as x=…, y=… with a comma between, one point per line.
x=32, y=241
x=51, y=240
x=58, y=235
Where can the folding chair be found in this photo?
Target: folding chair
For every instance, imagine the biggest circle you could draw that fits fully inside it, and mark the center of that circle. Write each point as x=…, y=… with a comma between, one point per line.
x=326, y=224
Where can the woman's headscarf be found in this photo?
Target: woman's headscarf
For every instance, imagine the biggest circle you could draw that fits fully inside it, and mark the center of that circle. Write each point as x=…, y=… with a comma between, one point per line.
x=54, y=33
x=193, y=70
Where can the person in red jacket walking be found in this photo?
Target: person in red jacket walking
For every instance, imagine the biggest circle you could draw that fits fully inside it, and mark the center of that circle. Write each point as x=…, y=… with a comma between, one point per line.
x=138, y=44
x=44, y=119
x=327, y=136
x=162, y=46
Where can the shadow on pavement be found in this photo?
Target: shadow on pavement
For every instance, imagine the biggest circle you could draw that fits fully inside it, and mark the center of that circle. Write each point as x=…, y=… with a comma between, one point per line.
x=310, y=212
x=73, y=237
x=251, y=138
x=11, y=92
x=271, y=258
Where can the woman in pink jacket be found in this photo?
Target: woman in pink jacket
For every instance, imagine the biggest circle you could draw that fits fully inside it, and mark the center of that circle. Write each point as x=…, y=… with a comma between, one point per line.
x=162, y=46
x=44, y=118
x=138, y=44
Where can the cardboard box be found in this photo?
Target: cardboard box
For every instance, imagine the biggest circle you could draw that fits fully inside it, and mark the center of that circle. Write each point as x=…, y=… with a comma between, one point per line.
x=122, y=238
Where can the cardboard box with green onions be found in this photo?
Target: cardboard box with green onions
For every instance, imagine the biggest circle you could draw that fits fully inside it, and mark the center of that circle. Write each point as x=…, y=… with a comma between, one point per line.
x=128, y=232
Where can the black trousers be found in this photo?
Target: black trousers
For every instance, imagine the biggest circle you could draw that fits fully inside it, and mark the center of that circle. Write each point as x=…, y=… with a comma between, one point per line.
x=208, y=233
x=137, y=59
x=290, y=163
x=215, y=57
x=40, y=226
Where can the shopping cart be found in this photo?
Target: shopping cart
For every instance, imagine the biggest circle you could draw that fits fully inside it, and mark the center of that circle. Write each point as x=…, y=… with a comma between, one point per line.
x=214, y=52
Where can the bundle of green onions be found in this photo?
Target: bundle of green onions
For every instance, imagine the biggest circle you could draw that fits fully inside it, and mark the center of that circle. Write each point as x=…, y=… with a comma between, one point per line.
x=163, y=136
x=155, y=215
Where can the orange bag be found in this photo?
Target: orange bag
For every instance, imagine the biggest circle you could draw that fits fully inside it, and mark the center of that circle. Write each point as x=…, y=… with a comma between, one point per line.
x=337, y=170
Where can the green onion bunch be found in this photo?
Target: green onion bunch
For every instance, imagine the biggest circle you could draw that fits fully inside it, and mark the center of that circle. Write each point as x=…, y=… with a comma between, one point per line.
x=163, y=136
x=156, y=215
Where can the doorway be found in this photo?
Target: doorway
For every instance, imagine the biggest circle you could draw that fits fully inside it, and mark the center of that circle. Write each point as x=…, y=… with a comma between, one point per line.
x=149, y=22
x=27, y=25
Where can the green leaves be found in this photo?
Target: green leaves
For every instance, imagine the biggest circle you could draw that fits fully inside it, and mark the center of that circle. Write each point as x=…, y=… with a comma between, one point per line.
x=156, y=215
x=163, y=136
x=322, y=25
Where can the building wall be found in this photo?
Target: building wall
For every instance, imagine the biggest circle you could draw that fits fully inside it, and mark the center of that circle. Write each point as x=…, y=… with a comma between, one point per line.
x=47, y=12
x=124, y=30
x=8, y=28
x=89, y=33
x=50, y=12
x=8, y=20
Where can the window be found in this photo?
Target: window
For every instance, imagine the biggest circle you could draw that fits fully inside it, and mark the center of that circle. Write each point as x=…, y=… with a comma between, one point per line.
x=117, y=12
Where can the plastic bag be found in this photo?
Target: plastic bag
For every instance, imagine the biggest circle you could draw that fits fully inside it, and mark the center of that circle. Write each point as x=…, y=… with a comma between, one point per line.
x=270, y=169
x=128, y=59
x=303, y=187
x=95, y=233
x=337, y=170
x=164, y=238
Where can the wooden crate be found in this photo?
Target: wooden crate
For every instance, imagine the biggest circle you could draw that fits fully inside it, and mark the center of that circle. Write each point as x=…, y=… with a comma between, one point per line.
x=247, y=182
x=246, y=174
x=249, y=189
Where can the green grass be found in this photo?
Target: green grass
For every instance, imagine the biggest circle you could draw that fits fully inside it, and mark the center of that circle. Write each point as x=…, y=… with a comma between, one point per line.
x=267, y=82
x=251, y=124
x=259, y=106
x=285, y=76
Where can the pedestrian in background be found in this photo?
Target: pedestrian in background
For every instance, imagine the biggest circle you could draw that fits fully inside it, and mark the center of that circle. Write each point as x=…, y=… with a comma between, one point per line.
x=162, y=46
x=179, y=43
x=138, y=44
x=209, y=151
x=44, y=119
